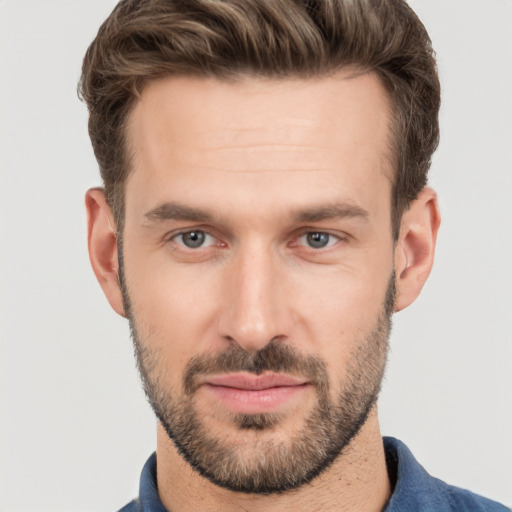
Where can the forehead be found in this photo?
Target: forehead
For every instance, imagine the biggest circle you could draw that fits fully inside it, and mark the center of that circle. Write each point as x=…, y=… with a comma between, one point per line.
x=260, y=135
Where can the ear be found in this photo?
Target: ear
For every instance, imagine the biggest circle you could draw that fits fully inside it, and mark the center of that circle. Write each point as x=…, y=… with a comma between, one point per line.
x=414, y=253
x=102, y=243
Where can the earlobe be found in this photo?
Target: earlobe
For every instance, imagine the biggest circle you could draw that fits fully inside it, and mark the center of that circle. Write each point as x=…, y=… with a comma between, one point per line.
x=414, y=253
x=102, y=244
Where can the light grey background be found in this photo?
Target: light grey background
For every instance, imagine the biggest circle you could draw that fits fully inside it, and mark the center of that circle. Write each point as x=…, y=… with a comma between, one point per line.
x=75, y=428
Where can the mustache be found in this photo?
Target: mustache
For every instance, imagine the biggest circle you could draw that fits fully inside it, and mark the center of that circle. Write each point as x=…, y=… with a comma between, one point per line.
x=275, y=356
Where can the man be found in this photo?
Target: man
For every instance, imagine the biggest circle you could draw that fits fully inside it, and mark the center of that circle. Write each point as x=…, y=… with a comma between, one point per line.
x=265, y=212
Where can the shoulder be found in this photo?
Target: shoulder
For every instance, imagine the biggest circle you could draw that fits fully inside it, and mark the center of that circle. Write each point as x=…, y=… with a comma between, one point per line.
x=148, y=499
x=461, y=499
x=456, y=499
x=133, y=506
x=417, y=491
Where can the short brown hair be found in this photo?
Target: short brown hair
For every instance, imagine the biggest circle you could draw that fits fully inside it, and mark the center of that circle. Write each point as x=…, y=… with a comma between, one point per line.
x=143, y=40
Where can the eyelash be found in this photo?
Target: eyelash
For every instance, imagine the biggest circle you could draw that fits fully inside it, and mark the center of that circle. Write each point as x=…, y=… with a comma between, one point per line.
x=333, y=239
x=175, y=237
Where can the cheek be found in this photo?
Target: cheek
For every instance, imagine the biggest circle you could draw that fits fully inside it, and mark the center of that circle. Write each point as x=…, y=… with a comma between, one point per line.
x=338, y=311
x=173, y=311
x=177, y=306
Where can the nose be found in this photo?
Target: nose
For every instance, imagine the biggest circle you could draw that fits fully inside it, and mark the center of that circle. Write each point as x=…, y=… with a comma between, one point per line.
x=255, y=308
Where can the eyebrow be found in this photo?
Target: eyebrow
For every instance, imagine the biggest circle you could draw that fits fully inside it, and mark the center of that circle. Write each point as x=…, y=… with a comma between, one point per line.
x=331, y=211
x=176, y=211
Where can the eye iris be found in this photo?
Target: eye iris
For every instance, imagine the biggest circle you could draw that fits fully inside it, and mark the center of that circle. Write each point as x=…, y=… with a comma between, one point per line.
x=318, y=240
x=193, y=239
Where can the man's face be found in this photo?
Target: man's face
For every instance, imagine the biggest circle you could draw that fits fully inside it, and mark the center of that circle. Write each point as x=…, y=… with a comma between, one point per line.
x=258, y=268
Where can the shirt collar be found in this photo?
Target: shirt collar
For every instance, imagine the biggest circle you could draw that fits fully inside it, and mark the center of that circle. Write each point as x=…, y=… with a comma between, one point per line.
x=412, y=484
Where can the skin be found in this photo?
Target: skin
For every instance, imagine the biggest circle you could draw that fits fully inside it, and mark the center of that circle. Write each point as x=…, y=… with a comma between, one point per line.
x=259, y=156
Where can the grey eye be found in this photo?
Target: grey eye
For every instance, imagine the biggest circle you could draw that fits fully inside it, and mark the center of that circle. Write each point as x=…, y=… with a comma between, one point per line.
x=318, y=239
x=193, y=239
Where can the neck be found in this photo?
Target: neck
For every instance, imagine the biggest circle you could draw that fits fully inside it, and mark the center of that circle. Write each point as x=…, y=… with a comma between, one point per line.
x=356, y=481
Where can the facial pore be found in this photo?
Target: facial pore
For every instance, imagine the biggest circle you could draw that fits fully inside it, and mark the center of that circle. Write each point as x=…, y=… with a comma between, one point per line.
x=269, y=466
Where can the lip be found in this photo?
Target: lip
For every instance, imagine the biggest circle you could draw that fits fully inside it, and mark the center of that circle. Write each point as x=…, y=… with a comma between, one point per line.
x=254, y=394
x=251, y=382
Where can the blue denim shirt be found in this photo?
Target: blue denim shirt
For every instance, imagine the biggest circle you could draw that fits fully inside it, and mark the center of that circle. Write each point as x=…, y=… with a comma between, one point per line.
x=414, y=489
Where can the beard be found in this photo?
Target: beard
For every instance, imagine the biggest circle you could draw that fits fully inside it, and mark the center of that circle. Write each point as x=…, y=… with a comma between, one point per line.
x=255, y=461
